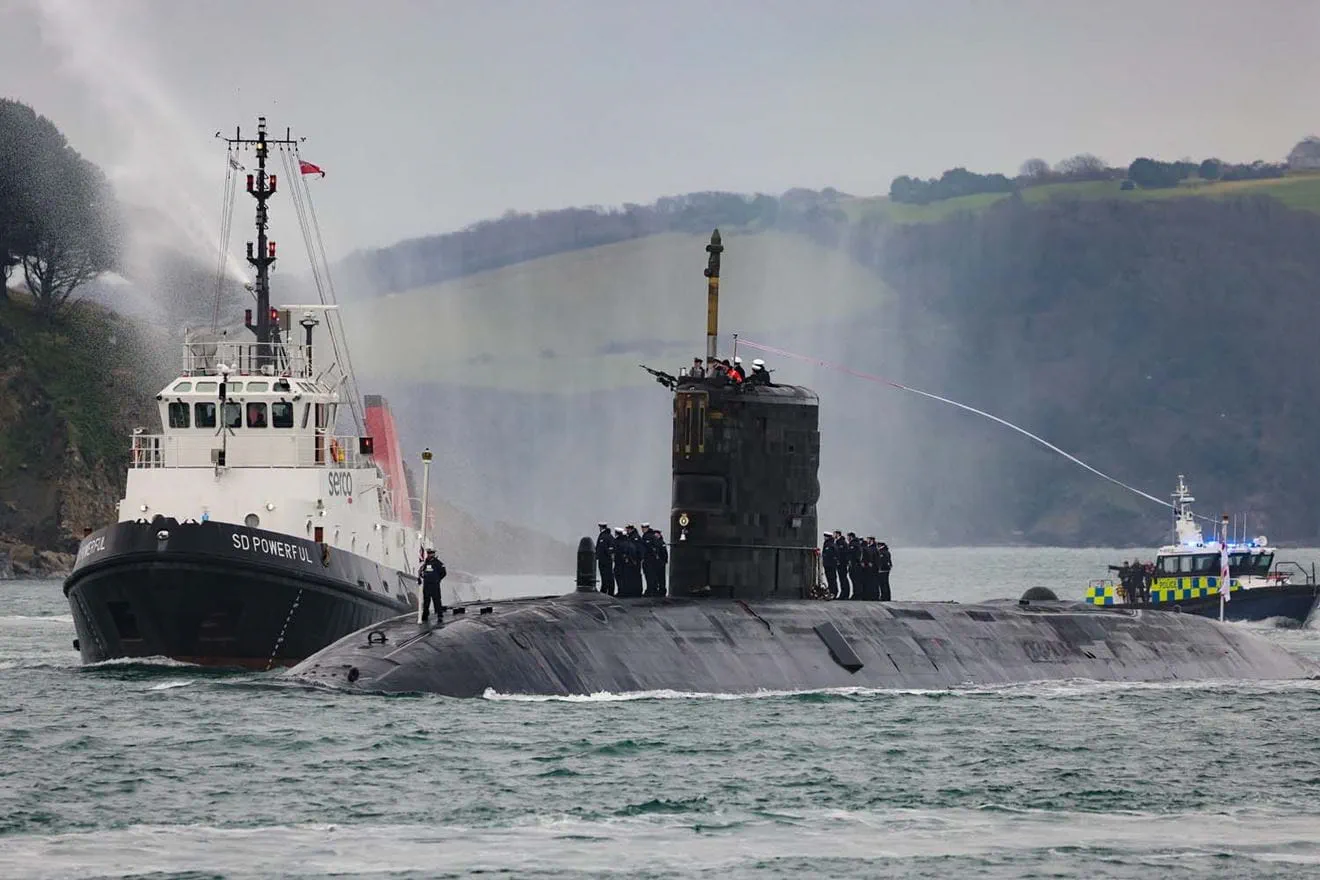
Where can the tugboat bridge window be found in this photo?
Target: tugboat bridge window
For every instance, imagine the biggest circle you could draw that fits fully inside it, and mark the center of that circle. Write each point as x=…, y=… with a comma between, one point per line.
x=233, y=415
x=183, y=386
x=281, y=415
x=208, y=387
x=256, y=415
x=204, y=415
x=257, y=386
x=235, y=387
x=178, y=414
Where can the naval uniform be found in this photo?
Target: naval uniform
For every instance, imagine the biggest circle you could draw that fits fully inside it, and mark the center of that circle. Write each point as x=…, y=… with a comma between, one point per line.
x=829, y=557
x=886, y=563
x=605, y=561
x=430, y=576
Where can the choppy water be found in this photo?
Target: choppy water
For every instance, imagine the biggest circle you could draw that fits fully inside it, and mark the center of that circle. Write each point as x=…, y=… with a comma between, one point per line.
x=164, y=770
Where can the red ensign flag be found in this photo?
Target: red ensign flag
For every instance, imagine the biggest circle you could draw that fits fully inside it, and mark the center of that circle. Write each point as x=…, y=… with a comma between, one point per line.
x=308, y=168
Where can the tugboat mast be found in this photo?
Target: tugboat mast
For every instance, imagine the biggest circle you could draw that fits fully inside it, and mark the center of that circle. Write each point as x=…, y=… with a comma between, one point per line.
x=261, y=187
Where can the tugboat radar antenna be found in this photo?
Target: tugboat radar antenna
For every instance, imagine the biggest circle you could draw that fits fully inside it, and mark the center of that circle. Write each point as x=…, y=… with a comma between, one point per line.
x=715, y=248
x=261, y=187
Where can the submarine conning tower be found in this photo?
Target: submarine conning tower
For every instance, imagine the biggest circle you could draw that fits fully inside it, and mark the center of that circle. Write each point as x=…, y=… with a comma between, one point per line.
x=745, y=480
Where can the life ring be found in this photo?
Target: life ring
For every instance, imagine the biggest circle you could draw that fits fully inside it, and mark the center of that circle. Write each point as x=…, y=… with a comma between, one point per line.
x=336, y=453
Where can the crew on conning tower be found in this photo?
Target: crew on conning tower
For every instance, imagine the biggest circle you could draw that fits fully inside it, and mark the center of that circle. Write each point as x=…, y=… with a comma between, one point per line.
x=745, y=461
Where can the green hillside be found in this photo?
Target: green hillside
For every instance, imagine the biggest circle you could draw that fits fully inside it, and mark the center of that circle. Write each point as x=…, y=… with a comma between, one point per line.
x=1297, y=190
x=584, y=319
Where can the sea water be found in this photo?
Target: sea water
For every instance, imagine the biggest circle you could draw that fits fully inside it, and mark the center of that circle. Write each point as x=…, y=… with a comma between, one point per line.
x=166, y=770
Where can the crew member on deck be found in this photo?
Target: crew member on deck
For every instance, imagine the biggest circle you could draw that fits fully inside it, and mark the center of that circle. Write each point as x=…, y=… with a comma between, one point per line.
x=430, y=576
x=697, y=371
x=870, y=564
x=605, y=558
x=630, y=548
x=886, y=564
x=656, y=559
x=829, y=558
x=760, y=375
x=649, y=559
x=619, y=551
x=846, y=586
x=736, y=372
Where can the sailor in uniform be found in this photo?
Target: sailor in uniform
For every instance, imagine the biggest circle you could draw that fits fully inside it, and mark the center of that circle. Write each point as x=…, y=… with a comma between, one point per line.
x=605, y=558
x=430, y=576
x=649, y=559
x=829, y=558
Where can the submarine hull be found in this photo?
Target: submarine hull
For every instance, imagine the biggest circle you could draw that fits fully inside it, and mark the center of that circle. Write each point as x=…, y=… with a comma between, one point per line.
x=588, y=643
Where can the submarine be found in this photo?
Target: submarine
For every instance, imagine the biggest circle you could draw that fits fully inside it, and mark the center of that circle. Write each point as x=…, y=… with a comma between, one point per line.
x=745, y=609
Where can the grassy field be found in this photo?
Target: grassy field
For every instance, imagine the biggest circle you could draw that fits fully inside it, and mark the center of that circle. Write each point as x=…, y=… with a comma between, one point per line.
x=583, y=320
x=1300, y=191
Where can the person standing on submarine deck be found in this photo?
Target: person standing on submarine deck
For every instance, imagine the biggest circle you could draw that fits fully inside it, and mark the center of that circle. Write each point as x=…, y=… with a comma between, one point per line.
x=605, y=558
x=431, y=574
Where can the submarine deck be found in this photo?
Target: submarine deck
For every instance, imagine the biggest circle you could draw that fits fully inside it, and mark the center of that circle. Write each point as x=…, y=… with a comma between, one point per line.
x=583, y=643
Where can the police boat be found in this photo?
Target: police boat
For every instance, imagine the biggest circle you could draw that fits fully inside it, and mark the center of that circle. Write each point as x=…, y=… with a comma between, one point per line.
x=251, y=533
x=1187, y=576
x=745, y=611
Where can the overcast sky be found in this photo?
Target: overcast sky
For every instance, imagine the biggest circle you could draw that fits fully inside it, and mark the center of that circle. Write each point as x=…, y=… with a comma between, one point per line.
x=428, y=116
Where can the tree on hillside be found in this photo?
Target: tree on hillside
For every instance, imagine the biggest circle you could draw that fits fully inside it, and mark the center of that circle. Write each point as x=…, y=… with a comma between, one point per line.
x=1306, y=155
x=59, y=221
x=1152, y=174
x=1083, y=166
x=1035, y=169
x=1210, y=169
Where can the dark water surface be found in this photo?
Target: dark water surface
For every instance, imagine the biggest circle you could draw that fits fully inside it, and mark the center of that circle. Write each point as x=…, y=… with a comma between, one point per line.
x=162, y=770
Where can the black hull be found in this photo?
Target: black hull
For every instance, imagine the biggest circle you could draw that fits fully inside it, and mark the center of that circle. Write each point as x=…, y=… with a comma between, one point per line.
x=586, y=643
x=222, y=595
x=1293, y=602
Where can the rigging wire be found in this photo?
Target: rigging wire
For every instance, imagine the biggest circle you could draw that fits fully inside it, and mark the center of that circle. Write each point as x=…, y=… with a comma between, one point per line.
x=310, y=228
x=994, y=418
x=226, y=229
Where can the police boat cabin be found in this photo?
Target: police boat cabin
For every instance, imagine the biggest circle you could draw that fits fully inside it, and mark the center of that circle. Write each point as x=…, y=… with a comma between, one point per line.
x=1187, y=575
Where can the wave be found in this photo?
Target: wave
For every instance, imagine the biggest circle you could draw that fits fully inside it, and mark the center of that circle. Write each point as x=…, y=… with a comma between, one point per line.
x=1034, y=689
x=36, y=618
x=681, y=837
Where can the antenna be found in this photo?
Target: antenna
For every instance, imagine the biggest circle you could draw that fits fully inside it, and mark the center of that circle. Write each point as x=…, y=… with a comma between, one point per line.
x=715, y=248
x=261, y=187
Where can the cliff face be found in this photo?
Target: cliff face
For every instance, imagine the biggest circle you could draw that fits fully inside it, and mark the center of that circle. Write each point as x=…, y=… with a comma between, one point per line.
x=71, y=392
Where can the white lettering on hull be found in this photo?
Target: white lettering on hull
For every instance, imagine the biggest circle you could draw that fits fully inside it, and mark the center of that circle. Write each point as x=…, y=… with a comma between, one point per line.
x=266, y=547
x=92, y=545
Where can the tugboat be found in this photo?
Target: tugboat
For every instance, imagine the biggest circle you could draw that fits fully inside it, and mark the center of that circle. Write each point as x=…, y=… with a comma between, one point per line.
x=1187, y=576
x=251, y=534
x=743, y=610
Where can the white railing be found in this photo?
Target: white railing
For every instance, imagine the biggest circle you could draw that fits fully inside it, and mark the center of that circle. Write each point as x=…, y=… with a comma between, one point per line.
x=248, y=358
x=267, y=447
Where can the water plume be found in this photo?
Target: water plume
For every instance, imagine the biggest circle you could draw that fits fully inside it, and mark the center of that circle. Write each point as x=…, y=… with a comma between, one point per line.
x=166, y=172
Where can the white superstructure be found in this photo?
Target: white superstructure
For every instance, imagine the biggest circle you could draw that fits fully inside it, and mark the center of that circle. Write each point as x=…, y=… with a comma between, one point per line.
x=248, y=438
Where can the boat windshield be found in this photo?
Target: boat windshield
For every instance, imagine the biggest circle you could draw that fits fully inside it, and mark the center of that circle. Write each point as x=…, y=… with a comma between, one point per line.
x=1250, y=564
x=1240, y=564
x=1184, y=564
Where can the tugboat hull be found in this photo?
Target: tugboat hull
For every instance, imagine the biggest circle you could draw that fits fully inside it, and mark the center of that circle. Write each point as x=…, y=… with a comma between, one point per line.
x=589, y=643
x=222, y=595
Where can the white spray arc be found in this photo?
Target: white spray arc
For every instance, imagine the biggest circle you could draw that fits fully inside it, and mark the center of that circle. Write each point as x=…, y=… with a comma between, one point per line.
x=971, y=409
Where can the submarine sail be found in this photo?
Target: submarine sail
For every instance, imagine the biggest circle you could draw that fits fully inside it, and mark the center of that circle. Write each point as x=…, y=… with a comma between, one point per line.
x=745, y=613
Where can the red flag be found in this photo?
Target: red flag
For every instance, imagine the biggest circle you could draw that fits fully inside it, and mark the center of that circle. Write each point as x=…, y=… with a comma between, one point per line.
x=308, y=168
